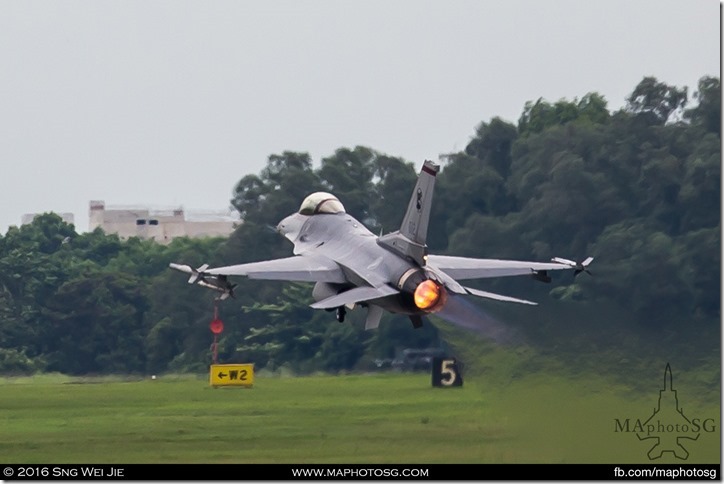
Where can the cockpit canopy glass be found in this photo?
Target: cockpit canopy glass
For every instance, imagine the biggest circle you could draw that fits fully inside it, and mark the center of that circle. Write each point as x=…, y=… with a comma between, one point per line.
x=321, y=202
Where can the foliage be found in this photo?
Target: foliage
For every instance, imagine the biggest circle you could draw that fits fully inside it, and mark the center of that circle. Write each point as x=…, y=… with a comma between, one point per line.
x=638, y=188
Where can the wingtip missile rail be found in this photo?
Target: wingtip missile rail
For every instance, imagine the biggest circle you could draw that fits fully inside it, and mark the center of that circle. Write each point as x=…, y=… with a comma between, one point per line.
x=215, y=283
x=577, y=266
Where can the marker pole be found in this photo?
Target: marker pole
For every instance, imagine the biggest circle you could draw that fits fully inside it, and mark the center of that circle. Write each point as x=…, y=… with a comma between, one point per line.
x=216, y=326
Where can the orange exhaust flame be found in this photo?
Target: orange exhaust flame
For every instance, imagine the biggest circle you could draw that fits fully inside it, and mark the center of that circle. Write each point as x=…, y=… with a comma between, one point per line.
x=429, y=296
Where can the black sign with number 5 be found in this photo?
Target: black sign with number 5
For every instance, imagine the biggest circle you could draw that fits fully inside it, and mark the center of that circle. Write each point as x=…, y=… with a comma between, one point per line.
x=445, y=373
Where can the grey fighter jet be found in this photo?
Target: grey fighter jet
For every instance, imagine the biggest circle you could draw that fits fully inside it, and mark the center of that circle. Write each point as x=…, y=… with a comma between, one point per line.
x=350, y=266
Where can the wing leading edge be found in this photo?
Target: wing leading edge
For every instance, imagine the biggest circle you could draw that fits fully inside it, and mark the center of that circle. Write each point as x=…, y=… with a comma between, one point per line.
x=297, y=268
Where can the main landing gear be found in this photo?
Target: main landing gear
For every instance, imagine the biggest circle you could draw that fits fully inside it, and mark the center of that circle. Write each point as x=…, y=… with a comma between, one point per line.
x=341, y=312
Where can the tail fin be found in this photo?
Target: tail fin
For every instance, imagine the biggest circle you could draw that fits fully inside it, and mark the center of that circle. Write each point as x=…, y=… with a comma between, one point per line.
x=414, y=225
x=410, y=240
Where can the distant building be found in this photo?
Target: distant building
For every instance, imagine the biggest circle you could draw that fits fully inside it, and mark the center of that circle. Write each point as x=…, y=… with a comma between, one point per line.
x=29, y=217
x=160, y=225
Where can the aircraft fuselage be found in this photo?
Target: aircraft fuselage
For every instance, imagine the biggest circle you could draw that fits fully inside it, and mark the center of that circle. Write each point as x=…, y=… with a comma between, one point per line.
x=345, y=240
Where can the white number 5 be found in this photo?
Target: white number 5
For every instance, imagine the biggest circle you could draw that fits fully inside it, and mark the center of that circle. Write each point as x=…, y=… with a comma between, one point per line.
x=447, y=372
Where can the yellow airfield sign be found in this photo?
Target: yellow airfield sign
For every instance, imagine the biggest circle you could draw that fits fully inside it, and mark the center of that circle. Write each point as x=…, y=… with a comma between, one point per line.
x=232, y=375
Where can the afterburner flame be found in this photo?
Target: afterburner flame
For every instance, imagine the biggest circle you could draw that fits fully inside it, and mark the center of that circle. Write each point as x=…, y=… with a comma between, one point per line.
x=429, y=296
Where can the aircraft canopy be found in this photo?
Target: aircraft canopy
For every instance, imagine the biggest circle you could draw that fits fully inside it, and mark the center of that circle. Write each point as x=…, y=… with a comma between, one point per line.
x=321, y=202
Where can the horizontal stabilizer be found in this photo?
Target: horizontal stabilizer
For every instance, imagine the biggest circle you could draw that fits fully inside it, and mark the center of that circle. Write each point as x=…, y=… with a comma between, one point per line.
x=460, y=268
x=498, y=297
x=358, y=294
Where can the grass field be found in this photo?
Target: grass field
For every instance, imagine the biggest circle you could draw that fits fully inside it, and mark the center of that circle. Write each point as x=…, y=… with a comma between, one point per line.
x=376, y=418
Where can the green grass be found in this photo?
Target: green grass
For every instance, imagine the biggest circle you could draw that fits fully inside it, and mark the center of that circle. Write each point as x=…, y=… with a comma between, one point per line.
x=378, y=418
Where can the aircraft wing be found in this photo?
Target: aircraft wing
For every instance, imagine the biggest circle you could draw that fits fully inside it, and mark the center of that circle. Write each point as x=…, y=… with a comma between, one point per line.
x=298, y=268
x=460, y=268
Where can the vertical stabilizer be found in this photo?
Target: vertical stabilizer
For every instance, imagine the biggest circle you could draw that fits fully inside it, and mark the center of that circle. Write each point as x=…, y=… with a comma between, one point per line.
x=410, y=240
x=414, y=225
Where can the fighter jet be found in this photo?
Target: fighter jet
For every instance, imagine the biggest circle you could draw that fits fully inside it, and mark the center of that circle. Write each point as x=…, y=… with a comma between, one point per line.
x=352, y=267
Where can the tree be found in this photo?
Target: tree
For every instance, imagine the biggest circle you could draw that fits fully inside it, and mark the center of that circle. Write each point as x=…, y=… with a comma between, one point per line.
x=283, y=333
x=643, y=273
x=492, y=143
x=393, y=180
x=656, y=101
x=96, y=325
x=541, y=115
x=639, y=189
x=46, y=234
x=707, y=113
x=285, y=181
x=348, y=175
x=700, y=193
x=593, y=108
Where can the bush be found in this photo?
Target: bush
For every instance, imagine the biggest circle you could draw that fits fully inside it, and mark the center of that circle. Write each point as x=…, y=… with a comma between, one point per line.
x=16, y=362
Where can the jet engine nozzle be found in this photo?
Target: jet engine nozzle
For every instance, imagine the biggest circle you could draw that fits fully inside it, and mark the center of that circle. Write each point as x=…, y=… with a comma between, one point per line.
x=422, y=291
x=430, y=296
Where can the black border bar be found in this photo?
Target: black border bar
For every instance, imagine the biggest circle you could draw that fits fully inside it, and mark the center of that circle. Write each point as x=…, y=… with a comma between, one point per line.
x=371, y=472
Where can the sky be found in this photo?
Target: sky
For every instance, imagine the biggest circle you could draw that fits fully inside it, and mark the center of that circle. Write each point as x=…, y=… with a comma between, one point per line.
x=170, y=103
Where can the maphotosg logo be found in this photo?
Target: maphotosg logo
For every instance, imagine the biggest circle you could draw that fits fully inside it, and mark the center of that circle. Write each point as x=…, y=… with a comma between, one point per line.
x=668, y=429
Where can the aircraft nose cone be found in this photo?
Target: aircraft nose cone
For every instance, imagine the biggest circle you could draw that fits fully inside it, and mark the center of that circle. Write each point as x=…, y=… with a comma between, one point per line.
x=290, y=226
x=285, y=226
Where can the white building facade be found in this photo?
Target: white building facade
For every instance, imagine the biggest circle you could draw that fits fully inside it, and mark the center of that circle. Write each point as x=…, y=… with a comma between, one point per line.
x=159, y=225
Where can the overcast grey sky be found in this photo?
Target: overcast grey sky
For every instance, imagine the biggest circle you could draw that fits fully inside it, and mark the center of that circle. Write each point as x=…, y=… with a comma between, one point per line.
x=167, y=103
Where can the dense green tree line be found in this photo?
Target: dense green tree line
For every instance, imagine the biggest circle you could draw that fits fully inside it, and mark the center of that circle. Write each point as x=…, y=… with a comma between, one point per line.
x=638, y=188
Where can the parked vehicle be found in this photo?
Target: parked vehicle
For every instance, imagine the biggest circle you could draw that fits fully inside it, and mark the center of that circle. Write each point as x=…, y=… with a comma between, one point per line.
x=413, y=359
